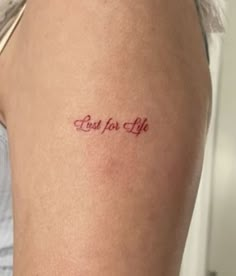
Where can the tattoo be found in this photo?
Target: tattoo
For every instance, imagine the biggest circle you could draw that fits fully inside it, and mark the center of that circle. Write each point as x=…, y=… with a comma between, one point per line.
x=135, y=127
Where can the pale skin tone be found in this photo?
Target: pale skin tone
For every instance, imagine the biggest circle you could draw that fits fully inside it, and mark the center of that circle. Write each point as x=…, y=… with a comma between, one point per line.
x=114, y=204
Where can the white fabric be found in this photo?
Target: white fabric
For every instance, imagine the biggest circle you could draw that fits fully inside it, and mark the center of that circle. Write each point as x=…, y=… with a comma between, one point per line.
x=6, y=221
x=213, y=15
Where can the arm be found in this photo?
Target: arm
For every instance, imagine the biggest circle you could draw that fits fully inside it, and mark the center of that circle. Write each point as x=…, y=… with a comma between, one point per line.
x=94, y=201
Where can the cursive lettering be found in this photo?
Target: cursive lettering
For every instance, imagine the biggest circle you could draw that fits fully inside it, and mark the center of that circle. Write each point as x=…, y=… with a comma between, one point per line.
x=111, y=126
x=86, y=125
x=136, y=127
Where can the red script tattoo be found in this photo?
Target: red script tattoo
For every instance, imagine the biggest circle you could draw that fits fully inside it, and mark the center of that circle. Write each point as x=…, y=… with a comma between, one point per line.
x=136, y=127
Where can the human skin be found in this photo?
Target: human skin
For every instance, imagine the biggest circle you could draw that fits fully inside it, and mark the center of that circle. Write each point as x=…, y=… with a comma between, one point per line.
x=111, y=204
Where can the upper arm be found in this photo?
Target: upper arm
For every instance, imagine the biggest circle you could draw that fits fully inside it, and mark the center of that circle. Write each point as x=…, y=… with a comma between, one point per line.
x=105, y=202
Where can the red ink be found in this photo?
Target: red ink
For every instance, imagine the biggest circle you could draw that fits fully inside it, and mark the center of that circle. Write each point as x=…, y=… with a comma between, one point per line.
x=86, y=124
x=111, y=126
x=137, y=126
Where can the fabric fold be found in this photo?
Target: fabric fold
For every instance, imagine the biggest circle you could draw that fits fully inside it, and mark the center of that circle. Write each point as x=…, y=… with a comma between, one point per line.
x=6, y=220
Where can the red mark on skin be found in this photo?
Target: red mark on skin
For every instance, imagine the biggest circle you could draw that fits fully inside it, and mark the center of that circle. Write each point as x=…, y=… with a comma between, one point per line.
x=86, y=124
x=111, y=126
x=137, y=126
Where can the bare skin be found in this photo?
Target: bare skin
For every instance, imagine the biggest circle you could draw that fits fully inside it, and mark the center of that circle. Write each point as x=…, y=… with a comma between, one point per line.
x=111, y=204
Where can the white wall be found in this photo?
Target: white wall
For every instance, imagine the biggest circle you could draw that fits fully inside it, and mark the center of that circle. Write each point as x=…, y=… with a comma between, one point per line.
x=222, y=253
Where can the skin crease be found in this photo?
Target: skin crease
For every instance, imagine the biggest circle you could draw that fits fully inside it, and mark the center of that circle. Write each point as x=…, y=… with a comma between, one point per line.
x=112, y=204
